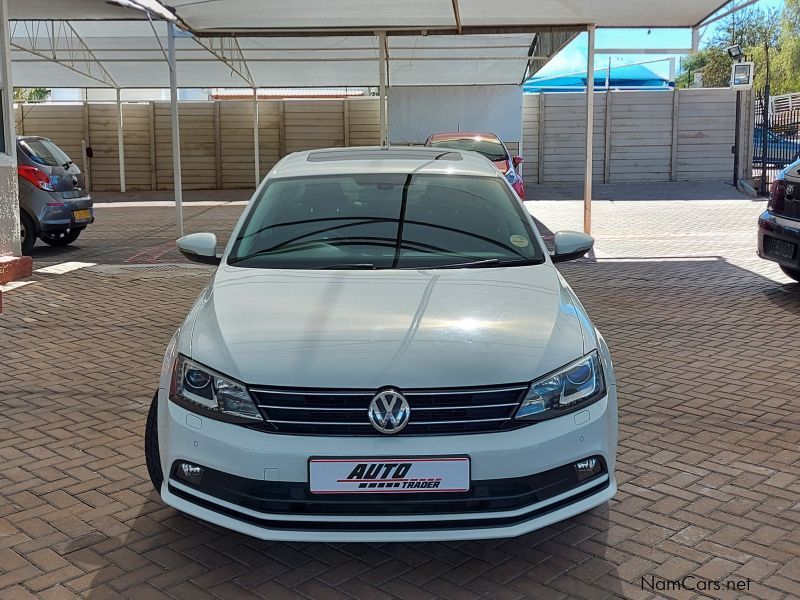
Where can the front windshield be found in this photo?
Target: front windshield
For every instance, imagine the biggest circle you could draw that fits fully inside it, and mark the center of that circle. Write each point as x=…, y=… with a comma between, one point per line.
x=491, y=149
x=385, y=221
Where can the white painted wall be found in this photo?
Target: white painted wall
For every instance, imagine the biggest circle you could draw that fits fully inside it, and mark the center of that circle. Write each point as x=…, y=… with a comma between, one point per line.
x=416, y=112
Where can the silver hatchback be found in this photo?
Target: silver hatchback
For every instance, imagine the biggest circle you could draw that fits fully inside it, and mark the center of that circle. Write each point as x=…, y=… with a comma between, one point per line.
x=54, y=203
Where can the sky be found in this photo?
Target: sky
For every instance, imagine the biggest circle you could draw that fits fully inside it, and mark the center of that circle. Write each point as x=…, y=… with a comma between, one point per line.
x=573, y=58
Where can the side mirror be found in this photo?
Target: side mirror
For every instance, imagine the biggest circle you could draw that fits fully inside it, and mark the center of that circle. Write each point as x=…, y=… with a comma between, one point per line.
x=200, y=247
x=517, y=160
x=571, y=245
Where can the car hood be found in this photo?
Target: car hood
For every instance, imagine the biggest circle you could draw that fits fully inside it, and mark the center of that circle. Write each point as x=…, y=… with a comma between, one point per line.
x=405, y=328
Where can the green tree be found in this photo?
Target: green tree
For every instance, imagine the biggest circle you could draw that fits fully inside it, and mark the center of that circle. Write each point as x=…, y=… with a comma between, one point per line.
x=749, y=27
x=715, y=65
x=30, y=94
x=761, y=33
x=784, y=60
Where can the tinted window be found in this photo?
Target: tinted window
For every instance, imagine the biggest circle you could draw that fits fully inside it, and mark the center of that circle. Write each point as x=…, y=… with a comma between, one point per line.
x=385, y=221
x=491, y=149
x=44, y=152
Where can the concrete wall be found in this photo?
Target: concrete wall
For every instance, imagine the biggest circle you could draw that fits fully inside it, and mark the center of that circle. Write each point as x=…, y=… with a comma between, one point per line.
x=216, y=137
x=638, y=136
x=417, y=111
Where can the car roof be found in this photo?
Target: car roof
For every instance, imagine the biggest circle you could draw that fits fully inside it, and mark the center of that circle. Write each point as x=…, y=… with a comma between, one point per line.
x=392, y=159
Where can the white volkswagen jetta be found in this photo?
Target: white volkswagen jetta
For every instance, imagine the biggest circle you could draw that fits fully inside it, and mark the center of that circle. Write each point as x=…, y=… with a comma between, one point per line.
x=385, y=353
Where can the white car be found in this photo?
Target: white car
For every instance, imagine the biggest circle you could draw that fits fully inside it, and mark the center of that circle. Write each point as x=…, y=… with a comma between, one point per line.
x=385, y=353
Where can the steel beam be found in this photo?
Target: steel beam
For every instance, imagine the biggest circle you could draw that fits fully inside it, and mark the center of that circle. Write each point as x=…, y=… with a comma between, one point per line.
x=643, y=50
x=713, y=19
x=231, y=55
x=120, y=143
x=9, y=203
x=176, y=133
x=587, y=179
x=382, y=86
x=58, y=39
x=256, y=148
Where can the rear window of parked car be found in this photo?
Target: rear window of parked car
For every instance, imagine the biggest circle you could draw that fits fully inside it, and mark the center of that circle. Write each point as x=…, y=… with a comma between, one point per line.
x=44, y=152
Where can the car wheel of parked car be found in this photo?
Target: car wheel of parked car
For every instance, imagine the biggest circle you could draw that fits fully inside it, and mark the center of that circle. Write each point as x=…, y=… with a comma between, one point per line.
x=152, y=456
x=61, y=238
x=27, y=232
x=793, y=273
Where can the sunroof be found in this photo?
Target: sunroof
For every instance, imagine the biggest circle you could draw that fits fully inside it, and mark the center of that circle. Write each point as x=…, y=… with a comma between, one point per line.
x=389, y=154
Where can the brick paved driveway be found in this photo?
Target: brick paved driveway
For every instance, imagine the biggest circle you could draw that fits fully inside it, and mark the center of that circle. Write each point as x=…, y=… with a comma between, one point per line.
x=706, y=349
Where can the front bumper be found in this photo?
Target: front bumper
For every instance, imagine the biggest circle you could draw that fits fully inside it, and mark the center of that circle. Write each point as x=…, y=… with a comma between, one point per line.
x=281, y=462
x=771, y=225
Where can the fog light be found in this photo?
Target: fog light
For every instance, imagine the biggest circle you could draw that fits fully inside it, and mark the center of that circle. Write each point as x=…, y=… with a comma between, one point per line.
x=588, y=467
x=191, y=473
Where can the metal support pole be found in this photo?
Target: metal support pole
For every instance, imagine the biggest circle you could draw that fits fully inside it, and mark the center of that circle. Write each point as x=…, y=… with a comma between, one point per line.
x=256, y=149
x=587, y=179
x=120, y=143
x=737, y=139
x=672, y=69
x=382, y=85
x=9, y=202
x=9, y=128
x=695, y=39
x=176, y=134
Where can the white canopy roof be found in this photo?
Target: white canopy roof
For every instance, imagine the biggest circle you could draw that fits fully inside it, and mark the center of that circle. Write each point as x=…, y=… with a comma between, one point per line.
x=248, y=15
x=274, y=43
x=130, y=55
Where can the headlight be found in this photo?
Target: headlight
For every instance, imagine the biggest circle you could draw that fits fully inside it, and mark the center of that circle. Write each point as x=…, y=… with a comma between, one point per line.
x=202, y=390
x=568, y=389
x=511, y=176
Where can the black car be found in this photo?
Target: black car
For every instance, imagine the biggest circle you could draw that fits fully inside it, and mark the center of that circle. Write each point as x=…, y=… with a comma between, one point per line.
x=779, y=225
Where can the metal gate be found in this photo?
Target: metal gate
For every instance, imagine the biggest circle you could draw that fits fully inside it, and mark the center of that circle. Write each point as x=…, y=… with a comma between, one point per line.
x=776, y=138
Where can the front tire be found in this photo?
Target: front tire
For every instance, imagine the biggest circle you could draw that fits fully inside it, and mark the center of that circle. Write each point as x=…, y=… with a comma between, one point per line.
x=27, y=233
x=793, y=273
x=61, y=238
x=151, y=453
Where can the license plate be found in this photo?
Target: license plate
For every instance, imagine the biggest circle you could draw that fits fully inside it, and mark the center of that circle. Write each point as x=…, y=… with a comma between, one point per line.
x=781, y=249
x=388, y=475
x=82, y=215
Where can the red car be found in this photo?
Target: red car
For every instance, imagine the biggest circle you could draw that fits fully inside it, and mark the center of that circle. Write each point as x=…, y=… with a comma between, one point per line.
x=487, y=144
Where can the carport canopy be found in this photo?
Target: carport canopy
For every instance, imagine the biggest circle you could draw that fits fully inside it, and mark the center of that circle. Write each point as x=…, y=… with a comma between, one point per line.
x=272, y=43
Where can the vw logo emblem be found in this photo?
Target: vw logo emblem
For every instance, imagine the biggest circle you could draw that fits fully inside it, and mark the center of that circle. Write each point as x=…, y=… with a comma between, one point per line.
x=389, y=411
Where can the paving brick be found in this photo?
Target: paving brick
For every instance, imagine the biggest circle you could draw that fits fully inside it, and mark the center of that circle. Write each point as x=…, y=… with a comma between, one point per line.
x=707, y=464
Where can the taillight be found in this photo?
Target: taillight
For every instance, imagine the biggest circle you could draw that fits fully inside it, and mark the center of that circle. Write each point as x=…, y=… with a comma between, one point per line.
x=777, y=195
x=36, y=176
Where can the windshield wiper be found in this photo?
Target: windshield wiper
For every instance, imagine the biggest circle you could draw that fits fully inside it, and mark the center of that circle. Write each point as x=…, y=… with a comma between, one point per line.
x=354, y=266
x=489, y=262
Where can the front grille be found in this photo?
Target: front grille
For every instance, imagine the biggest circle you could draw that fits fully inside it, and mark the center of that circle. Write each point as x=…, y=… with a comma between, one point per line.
x=433, y=411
